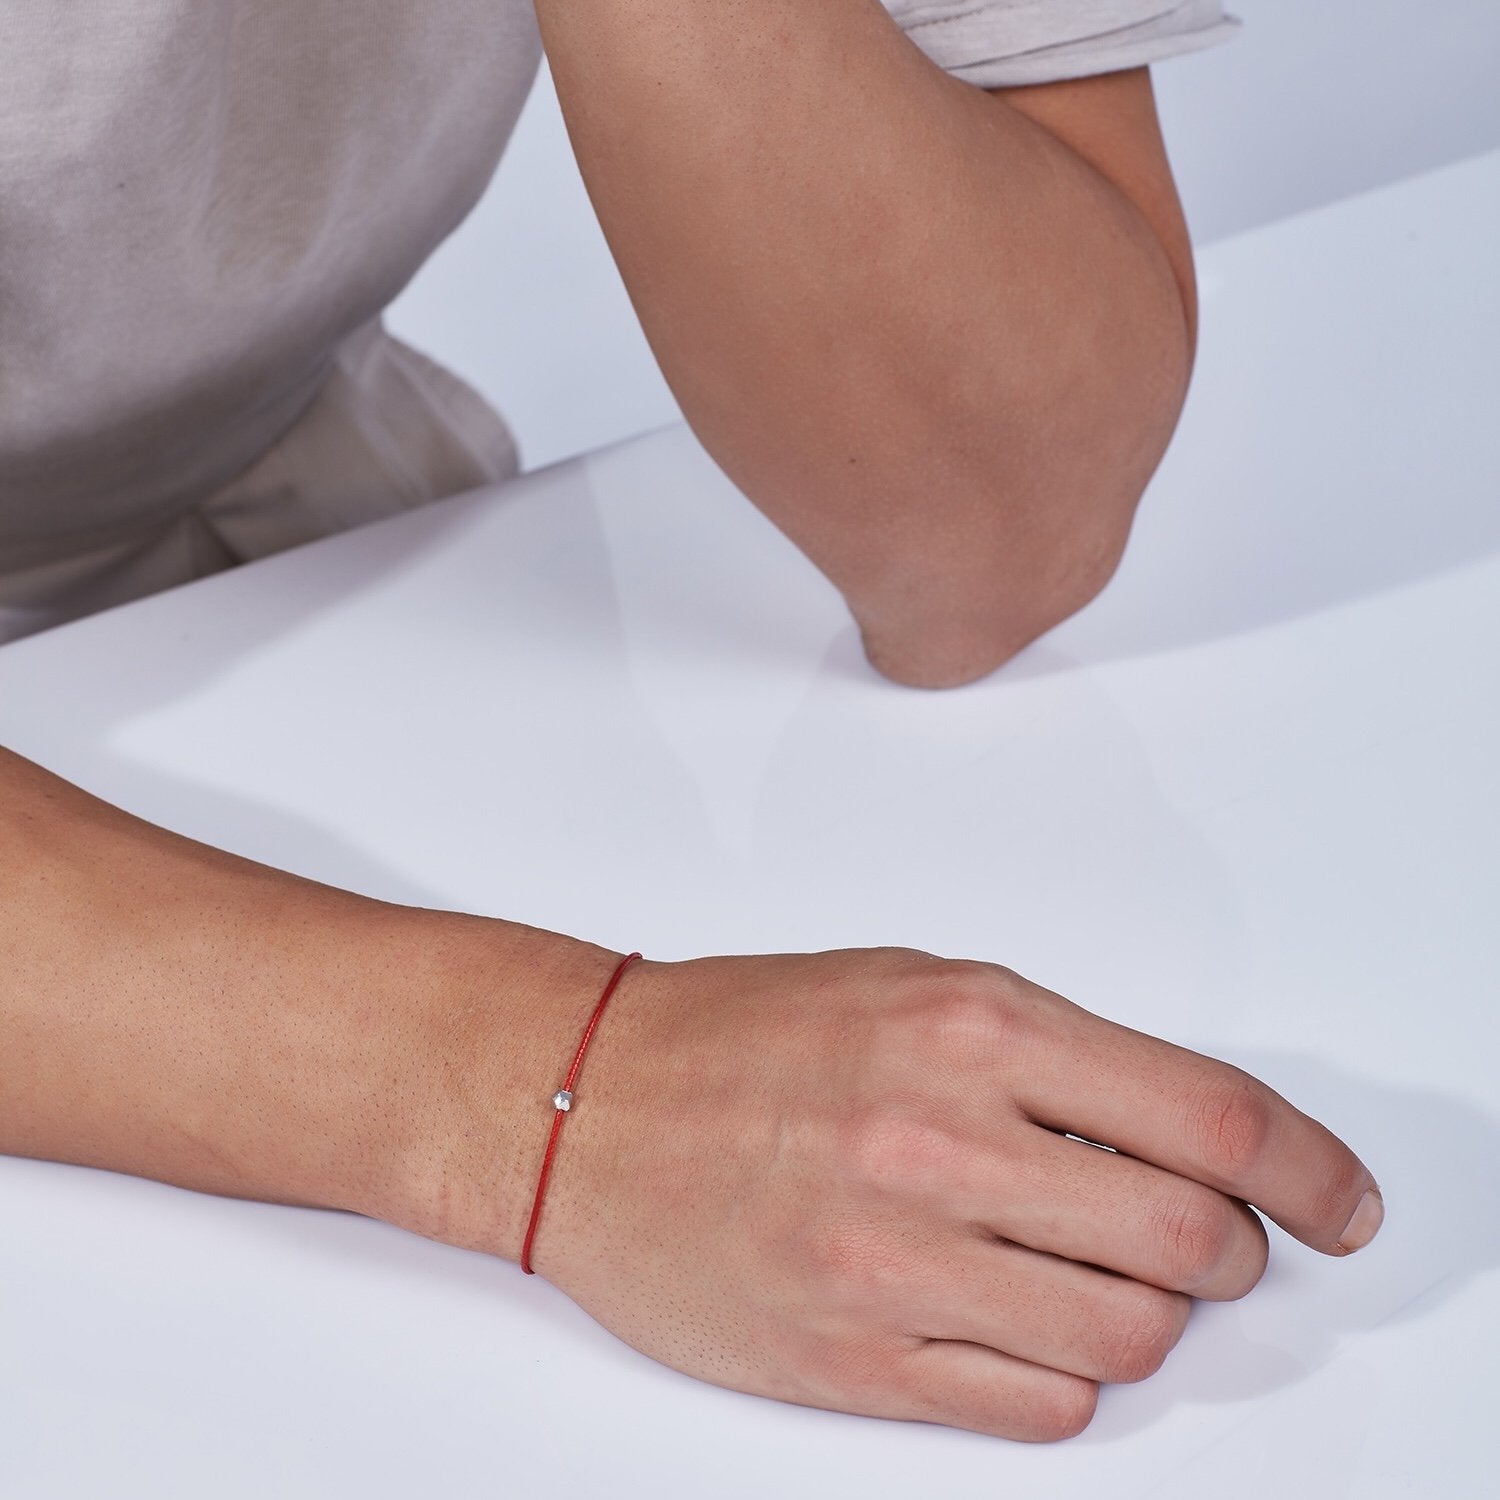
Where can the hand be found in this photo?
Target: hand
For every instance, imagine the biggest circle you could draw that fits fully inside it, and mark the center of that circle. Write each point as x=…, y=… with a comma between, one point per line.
x=843, y=1180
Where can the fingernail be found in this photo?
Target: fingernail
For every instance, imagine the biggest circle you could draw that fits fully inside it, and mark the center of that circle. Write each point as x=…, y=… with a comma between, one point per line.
x=1365, y=1223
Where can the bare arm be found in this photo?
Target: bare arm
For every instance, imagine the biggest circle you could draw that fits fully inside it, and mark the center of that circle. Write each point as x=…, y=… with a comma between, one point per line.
x=176, y=1012
x=841, y=1179
x=941, y=337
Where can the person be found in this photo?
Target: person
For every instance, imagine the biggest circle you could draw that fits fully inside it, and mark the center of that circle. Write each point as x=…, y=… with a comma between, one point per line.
x=918, y=275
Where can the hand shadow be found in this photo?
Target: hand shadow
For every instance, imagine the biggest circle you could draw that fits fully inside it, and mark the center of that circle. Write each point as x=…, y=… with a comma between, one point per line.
x=1428, y=1151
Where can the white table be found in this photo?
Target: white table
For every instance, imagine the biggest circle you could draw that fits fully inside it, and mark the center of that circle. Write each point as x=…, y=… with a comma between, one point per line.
x=1247, y=800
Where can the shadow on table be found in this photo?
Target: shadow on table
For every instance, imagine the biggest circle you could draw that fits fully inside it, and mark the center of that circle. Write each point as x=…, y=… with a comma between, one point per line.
x=1278, y=546
x=1429, y=1152
x=68, y=695
x=1339, y=440
x=1434, y=1158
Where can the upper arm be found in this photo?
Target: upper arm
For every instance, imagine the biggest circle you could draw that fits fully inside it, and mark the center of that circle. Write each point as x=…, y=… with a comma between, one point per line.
x=1110, y=122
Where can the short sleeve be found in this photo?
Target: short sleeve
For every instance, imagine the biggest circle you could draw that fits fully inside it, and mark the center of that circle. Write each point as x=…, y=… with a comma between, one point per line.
x=998, y=43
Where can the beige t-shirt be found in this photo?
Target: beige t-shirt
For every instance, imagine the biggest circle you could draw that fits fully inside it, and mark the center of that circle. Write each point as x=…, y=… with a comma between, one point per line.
x=206, y=204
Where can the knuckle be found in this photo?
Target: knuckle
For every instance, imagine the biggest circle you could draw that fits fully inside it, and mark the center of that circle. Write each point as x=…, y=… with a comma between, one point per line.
x=905, y=961
x=964, y=1023
x=839, y=1251
x=1063, y=1410
x=895, y=1154
x=965, y=1015
x=1140, y=1341
x=1198, y=1234
x=857, y=1266
x=1231, y=1122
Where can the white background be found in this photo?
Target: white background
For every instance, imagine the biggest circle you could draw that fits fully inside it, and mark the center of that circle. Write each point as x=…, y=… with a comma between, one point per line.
x=1316, y=99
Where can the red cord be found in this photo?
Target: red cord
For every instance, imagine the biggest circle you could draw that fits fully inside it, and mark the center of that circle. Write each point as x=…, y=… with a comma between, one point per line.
x=559, y=1111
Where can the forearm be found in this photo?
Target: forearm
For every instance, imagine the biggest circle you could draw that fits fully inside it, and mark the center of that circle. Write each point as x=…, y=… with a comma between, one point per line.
x=938, y=348
x=173, y=1011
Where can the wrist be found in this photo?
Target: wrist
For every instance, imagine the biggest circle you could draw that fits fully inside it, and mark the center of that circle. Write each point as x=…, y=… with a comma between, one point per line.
x=176, y=1012
x=491, y=1015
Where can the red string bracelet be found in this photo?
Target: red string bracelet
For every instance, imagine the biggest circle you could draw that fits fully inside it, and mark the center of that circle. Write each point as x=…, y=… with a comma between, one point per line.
x=562, y=1102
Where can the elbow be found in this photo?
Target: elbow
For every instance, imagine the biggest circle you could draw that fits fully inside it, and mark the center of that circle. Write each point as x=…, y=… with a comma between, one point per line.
x=951, y=632
x=1032, y=541
x=995, y=497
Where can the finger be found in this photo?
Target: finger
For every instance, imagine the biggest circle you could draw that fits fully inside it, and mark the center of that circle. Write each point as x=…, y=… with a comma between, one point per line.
x=1199, y=1118
x=978, y=1388
x=1070, y=1199
x=1051, y=1312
